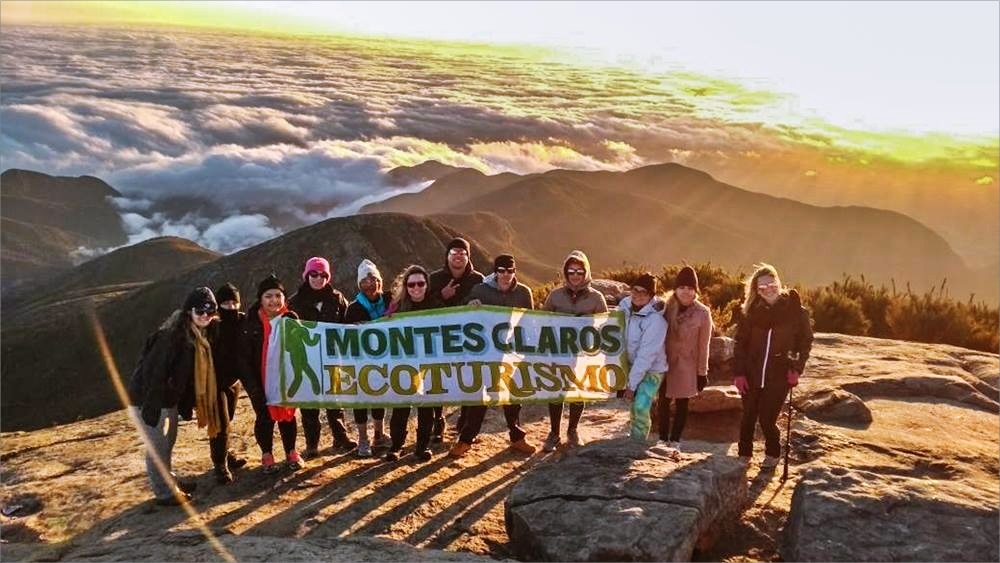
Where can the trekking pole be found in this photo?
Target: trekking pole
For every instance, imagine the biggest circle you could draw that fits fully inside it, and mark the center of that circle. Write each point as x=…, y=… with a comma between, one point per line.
x=788, y=435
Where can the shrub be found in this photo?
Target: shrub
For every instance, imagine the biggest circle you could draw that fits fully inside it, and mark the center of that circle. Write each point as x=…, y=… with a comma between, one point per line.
x=833, y=311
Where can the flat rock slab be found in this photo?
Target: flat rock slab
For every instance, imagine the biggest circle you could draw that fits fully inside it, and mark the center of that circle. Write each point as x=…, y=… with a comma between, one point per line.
x=850, y=515
x=617, y=501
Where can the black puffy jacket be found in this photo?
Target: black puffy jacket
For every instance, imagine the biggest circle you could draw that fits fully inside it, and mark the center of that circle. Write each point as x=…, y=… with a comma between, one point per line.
x=325, y=305
x=165, y=372
x=251, y=346
x=771, y=339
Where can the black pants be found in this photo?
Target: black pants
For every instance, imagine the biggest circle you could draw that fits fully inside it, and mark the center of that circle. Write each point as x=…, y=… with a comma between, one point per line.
x=263, y=427
x=438, y=429
x=555, y=416
x=361, y=415
x=219, y=445
x=311, y=426
x=763, y=406
x=668, y=433
x=397, y=427
x=474, y=416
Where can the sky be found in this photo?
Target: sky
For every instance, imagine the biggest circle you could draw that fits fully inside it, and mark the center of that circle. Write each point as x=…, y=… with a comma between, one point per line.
x=230, y=122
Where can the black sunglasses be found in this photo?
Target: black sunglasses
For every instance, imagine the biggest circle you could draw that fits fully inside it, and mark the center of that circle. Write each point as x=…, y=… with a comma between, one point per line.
x=505, y=270
x=207, y=311
x=416, y=284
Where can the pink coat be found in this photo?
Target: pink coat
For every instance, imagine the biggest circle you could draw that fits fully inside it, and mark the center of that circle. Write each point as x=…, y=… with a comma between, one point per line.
x=687, y=344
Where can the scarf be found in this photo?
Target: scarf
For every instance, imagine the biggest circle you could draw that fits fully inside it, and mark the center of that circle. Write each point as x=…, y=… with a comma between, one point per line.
x=206, y=403
x=375, y=310
x=278, y=414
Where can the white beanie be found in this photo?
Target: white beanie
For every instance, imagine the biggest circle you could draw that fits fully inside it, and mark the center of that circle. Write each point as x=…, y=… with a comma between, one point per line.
x=366, y=268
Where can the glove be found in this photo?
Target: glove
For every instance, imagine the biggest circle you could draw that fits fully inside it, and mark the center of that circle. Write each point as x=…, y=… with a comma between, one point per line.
x=741, y=384
x=702, y=382
x=793, y=378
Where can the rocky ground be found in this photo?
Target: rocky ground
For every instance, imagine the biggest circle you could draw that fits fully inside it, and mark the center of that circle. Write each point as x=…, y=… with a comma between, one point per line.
x=889, y=432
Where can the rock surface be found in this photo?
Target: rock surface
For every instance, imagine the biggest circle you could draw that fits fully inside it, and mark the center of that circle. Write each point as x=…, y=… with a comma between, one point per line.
x=715, y=398
x=851, y=515
x=617, y=501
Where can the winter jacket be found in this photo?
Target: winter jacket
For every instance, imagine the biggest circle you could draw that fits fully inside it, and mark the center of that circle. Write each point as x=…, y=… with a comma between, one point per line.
x=688, y=339
x=772, y=339
x=645, y=332
x=440, y=278
x=489, y=293
x=324, y=305
x=251, y=345
x=356, y=312
x=225, y=347
x=576, y=300
x=429, y=302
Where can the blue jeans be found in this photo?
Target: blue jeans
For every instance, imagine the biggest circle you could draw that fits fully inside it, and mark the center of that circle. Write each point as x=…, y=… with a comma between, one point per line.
x=645, y=394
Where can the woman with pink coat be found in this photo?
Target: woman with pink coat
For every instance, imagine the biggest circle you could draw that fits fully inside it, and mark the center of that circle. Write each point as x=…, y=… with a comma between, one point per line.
x=689, y=332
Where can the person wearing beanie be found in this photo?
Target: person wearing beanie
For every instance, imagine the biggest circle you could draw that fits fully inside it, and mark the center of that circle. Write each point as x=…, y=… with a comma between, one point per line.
x=370, y=303
x=574, y=297
x=253, y=357
x=317, y=300
x=772, y=344
x=689, y=333
x=225, y=356
x=502, y=289
x=645, y=333
x=173, y=380
x=452, y=285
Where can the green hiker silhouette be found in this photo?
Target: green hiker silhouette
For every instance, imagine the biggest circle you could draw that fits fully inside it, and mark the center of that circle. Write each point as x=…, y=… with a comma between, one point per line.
x=297, y=337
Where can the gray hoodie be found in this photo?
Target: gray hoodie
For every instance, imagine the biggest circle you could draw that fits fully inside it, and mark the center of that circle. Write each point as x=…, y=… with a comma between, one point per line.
x=488, y=293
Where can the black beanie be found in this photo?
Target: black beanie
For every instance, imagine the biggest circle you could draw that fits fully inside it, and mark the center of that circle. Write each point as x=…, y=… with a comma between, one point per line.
x=687, y=276
x=648, y=282
x=503, y=261
x=200, y=299
x=270, y=282
x=458, y=243
x=227, y=292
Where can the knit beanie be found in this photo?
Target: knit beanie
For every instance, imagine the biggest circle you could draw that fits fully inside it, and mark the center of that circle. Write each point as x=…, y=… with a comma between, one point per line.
x=687, y=276
x=227, y=292
x=268, y=283
x=458, y=243
x=367, y=268
x=648, y=282
x=201, y=299
x=316, y=264
x=503, y=261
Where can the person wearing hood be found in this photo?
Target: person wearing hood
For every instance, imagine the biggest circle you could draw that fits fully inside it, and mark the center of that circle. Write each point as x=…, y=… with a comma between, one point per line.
x=645, y=335
x=317, y=300
x=225, y=356
x=688, y=340
x=500, y=288
x=410, y=294
x=773, y=341
x=175, y=375
x=370, y=303
x=452, y=285
x=575, y=297
x=270, y=304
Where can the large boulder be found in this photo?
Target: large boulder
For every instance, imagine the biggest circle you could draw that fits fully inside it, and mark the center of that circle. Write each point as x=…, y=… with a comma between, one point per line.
x=617, y=501
x=852, y=515
x=720, y=360
x=835, y=405
x=715, y=398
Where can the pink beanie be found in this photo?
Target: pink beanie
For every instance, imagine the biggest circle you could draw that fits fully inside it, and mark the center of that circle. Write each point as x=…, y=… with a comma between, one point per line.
x=316, y=264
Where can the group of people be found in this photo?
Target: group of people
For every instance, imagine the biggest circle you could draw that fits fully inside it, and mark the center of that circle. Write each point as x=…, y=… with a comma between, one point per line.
x=193, y=365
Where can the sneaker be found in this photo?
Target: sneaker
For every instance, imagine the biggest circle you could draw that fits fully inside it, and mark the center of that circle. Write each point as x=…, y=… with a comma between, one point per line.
x=523, y=446
x=234, y=462
x=222, y=474
x=459, y=449
x=572, y=439
x=344, y=443
x=422, y=455
x=663, y=448
x=176, y=499
x=294, y=461
x=310, y=453
x=770, y=462
x=364, y=449
x=551, y=442
x=391, y=456
x=267, y=460
x=381, y=441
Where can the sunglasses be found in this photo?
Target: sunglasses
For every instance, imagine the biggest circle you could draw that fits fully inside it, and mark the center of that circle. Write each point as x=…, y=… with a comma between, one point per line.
x=315, y=274
x=208, y=312
x=505, y=270
x=765, y=286
x=457, y=252
x=575, y=272
x=411, y=285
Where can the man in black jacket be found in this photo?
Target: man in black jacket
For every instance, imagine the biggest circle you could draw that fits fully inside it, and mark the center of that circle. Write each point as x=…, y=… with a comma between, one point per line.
x=225, y=357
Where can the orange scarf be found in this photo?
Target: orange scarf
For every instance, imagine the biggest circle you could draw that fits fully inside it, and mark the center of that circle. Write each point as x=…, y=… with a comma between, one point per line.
x=278, y=414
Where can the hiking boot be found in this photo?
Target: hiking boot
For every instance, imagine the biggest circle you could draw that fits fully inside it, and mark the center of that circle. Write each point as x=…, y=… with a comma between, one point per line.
x=233, y=462
x=437, y=431
x=294, y=461
x=364, y=449
x=342, y=442
x=187, y=486
x=222, y=474
x=380, y=440
x=459, y=449
x=572, y=438
x=523, y=446
x=391, y=456
x=267, y=462
x=422, y=455
x=176, y=499
x=310, y=453
x=770, y=462
x=551, y=442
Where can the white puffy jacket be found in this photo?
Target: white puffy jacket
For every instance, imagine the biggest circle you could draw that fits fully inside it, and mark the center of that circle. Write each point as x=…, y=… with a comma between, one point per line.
x=645, y=334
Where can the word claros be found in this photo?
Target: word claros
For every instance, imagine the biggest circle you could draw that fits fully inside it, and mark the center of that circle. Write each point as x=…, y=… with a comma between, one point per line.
x=470, y=338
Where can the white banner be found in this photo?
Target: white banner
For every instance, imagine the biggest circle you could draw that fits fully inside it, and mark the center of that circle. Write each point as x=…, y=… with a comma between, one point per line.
x=469, y=355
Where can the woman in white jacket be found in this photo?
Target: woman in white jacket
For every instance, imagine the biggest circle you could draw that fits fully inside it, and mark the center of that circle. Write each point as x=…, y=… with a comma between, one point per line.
x=645, y=333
